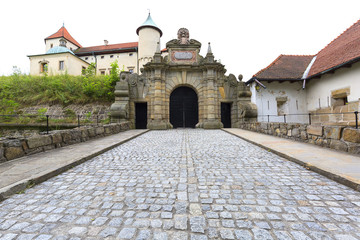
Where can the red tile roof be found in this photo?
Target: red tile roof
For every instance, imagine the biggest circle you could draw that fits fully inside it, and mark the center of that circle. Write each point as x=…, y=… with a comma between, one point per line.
x=345, y=48
x=285, y=67
x=63, y=32
x=106, y=48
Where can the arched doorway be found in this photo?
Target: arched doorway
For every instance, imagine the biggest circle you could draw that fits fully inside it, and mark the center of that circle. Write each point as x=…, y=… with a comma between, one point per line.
x=184, y=108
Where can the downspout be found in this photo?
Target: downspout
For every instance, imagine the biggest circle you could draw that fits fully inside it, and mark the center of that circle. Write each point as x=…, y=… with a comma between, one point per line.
x=137, y=60
x=306, y=73
x=93, y=53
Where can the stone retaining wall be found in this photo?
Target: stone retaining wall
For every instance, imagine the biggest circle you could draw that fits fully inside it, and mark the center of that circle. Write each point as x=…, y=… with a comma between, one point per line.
x=336, y=137
x=101, y=110
x=11, y=148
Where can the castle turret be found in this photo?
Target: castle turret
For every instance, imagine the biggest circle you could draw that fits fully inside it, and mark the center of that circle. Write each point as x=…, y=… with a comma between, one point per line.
x=149, y=37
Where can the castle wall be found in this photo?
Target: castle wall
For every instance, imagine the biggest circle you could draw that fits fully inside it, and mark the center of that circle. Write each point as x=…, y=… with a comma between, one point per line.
x=72, y=64
x=126, y=61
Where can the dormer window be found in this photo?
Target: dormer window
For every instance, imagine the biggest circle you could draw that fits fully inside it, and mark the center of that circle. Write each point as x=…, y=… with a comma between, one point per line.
x=62, y=42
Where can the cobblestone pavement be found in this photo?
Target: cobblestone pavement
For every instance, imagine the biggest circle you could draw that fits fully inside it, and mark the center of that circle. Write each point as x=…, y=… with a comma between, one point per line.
x=184, y=184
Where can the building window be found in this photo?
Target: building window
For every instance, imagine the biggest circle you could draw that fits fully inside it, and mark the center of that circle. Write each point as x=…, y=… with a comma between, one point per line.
x=130, y=54
x=340, y=97
x=281, y=104
x=102, y=72
x=44, y=67
x=131, y=69
x=102, y=57
x=51, y=45
x=111, y=56
x=61, y=65
x=86, y=58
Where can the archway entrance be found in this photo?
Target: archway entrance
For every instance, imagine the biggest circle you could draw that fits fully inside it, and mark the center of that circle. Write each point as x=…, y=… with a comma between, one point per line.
x=226, y=114
x=184, y=108
x=140, y=115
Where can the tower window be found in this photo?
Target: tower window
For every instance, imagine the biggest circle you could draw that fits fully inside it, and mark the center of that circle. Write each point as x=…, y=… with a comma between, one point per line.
x=61, y=65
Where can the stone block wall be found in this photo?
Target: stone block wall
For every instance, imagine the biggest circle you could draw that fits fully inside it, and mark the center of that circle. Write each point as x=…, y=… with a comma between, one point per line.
x=101, y=110
x=341, y=138
x=11, y=148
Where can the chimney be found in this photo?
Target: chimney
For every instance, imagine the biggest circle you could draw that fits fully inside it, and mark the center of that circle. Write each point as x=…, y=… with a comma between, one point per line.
x=106, y=42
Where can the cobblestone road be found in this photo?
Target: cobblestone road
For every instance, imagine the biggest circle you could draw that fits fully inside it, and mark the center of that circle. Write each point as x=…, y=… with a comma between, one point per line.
x=184, y=184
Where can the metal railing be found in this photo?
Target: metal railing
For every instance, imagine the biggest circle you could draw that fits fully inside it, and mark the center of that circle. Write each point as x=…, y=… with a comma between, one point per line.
x=310, y=115
x=51, y=121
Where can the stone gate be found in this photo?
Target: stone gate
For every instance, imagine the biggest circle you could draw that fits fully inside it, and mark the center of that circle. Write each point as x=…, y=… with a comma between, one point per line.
x=182, y=89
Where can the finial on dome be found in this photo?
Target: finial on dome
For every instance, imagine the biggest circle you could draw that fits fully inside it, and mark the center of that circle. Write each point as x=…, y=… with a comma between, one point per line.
x=209, y=48
x=158, y=47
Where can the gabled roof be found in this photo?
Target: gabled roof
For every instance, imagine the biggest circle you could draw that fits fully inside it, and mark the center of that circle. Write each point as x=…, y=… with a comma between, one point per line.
x=63, y=32
x=285, y=68
x=111, y=48
x=149, y=23
x=345, y=49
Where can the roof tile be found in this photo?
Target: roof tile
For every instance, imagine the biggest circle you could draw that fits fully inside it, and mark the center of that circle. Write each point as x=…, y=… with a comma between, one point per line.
x=109, y=47
x=344, y=48
x=63, y=32
x=285, y=67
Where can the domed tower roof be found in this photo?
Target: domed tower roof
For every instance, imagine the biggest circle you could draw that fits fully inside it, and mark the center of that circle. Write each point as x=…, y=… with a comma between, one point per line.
x=59, y=49
x=149, y=23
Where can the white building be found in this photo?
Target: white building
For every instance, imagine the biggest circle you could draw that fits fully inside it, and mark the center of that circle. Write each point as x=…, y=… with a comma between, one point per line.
x=326, y=85
x=64, y=54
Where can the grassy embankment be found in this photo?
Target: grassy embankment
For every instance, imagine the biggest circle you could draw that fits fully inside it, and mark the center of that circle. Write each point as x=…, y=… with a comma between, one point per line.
x=19, y=90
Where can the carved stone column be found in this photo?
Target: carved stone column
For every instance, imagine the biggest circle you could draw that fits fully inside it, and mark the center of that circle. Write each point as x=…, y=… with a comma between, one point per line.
x=246, y=110
x=119, y=110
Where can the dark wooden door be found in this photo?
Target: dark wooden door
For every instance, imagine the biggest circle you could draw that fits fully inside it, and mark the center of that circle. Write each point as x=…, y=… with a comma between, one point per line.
x=140, y=115
x=226, y=114
x=184, y=108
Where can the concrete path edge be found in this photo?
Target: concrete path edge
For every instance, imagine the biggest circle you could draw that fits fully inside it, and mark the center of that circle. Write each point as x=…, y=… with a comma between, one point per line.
x=24, y=184
x=333, y=176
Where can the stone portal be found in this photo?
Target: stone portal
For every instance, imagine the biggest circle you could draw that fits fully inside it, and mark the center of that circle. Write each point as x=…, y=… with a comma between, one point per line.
x=184, y=89
x=184, y=110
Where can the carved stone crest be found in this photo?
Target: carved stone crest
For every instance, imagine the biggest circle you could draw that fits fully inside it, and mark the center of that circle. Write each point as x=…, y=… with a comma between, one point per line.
x=183, y=36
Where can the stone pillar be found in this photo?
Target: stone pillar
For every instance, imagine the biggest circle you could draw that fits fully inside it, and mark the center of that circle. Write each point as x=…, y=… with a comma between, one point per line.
x=211, y=119
x=159, y=120
x=119, y=110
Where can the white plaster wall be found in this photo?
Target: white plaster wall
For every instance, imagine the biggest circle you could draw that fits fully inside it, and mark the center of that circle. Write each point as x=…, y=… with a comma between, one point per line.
x=126, y=61
x=148, y=39
x=321, y=88
x=56, y=42
x=72, y=64
x=265, y=99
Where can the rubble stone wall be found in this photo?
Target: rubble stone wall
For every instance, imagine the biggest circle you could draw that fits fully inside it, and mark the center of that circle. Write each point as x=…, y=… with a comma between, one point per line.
x=341, y=138
x=11, y=148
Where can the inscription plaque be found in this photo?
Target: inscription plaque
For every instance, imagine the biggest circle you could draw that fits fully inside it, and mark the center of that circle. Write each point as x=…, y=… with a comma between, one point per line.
x=186, y=57
x=183, y=55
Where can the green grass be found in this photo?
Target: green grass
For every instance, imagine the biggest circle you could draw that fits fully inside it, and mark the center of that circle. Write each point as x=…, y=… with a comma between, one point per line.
x=20, y=90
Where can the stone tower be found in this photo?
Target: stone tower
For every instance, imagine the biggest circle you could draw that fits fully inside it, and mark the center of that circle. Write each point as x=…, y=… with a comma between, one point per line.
x=149, y=36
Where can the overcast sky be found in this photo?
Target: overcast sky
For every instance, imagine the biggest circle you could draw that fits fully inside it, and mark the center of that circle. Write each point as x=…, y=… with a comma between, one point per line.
x=245, y=35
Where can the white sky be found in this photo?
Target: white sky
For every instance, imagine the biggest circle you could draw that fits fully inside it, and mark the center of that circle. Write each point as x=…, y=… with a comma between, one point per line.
x=246, y=35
